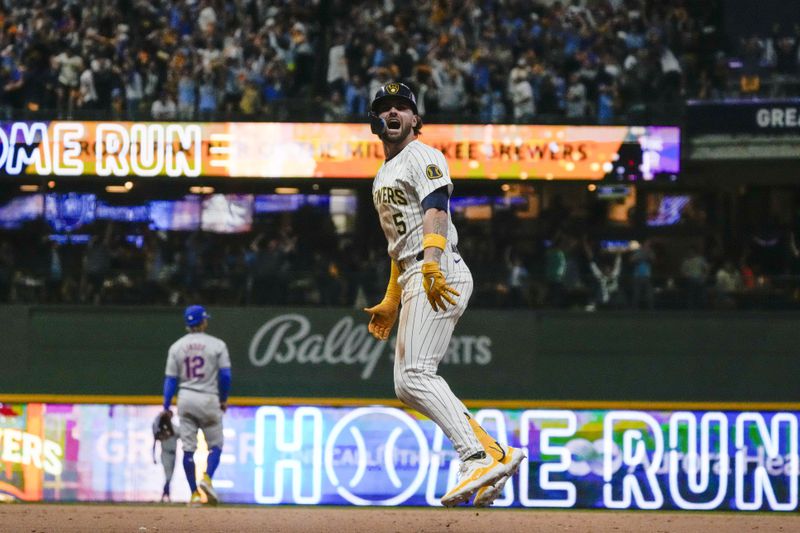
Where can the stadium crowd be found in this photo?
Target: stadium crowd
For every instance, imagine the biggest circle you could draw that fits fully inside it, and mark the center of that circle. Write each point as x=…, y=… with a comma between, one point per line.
x=300, y=259
x=492, y=60
x=483, y=60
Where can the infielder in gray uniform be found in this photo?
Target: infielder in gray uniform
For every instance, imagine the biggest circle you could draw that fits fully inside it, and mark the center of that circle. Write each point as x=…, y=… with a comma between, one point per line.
x=165, y=432
x=199, y=367
x=432, y=282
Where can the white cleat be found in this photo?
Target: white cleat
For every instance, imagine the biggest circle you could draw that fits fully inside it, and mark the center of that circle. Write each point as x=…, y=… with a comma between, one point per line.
x=195, y=500
x=208, y=490
x=472, y=475
x=487, y=494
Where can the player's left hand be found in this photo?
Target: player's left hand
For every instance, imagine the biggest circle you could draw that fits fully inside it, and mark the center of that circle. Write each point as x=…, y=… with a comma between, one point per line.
x=223, y=406
x=436, y=286
x=384, y=315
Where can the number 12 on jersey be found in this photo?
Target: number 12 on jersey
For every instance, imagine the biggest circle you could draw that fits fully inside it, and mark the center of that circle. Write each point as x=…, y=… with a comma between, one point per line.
x=193, y=366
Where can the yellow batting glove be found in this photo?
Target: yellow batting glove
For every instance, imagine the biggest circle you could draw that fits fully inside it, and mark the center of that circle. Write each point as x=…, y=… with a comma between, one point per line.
x=436, y=286
x=384, y=315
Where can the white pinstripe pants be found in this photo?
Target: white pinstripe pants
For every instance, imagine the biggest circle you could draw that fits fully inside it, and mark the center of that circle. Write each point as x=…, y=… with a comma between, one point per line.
x=423, y=336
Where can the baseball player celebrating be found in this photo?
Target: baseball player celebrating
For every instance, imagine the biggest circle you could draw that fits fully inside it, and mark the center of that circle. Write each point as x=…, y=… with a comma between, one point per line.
x=428, y=276
x=199, y=368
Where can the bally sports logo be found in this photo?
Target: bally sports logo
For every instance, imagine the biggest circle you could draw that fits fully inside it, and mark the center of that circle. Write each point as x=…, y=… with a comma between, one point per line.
x=289, y=338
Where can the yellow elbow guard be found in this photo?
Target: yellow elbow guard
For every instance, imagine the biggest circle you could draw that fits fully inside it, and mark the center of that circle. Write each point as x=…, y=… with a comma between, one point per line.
x=434, y=240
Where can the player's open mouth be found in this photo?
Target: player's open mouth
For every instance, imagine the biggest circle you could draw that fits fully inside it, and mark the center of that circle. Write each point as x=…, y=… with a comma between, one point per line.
x=393, y=123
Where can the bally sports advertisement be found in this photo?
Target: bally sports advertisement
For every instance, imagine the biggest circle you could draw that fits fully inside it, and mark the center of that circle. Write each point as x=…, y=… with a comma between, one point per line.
x=374, y=455
x=335, y=150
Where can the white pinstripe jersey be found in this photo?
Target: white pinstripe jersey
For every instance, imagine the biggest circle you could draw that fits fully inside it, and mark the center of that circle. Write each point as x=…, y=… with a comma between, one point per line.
x=398, y=190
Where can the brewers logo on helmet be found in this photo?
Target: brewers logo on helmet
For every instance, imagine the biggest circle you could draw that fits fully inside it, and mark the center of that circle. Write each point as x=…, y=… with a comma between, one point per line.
x=394, y=90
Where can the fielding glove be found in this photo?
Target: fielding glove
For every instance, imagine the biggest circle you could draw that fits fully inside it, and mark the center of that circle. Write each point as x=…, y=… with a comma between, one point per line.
x=164, y=428
x=436, y=287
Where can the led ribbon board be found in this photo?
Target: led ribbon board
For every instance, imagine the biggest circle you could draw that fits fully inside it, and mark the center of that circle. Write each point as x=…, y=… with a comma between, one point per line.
x=316, y=150
x=690, y=460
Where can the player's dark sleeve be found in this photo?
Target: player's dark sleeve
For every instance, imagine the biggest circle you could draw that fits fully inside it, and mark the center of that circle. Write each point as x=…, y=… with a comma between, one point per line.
x=170, y=386
x=437, y=199
x=224, y=379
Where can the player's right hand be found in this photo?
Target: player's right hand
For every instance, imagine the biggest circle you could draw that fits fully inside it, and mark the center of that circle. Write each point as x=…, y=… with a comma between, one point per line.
x=436, y=286
x=223, y=406
x=384, y=315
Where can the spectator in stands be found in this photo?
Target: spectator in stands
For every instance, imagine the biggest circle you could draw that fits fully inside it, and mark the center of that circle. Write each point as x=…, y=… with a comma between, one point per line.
x=152, y=83
x=607, y=294
x=334, y=108
x=187, y=94
x=250, y=103
x=70, y=67
x=356, y=98
x=52, y=270
x=450, y=84
x=328, y=279
x=134, y=89
x=521, y=94
x=669, y=81
x=426, y=89
x=232, y=88
x=642, y=259
x=555, y=271
x=576, y=97
x=695, y=270
x=605, y=104
x=88, y=94
x=787, y=64
x=658, y=42
x=750, y=79
x=96, y=267
x=518, y=282
x=268, y=267
x=105, y=80
x=207, y=98
x=728, y=281
x=302, y=59
x=164, y=107
x=746, y=271
x=338, y=74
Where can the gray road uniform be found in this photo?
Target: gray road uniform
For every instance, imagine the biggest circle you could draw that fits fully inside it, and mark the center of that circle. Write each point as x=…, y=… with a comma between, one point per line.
x=195, y=359
x=169, y=447
x=423, y=335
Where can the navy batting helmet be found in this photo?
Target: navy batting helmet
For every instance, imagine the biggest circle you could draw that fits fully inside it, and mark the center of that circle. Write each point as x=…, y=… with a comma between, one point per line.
x=394, y=90
x=194, y=315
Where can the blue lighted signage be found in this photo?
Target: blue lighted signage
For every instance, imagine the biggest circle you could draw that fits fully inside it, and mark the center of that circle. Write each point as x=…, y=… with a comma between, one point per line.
x=379, y=456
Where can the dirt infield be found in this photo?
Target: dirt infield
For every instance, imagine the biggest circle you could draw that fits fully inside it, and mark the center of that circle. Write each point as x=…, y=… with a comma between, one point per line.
x=37, y=518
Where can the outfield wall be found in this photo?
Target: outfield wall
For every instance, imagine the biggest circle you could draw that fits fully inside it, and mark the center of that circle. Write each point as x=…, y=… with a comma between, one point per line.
x=596, y=459
x=510, y=356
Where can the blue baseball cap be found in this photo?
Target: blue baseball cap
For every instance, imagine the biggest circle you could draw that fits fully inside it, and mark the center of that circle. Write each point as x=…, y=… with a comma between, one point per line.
x=194, y=315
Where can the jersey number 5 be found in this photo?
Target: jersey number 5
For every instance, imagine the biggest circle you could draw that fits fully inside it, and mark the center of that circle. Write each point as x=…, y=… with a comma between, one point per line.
x=399, y=223
x=193, y=367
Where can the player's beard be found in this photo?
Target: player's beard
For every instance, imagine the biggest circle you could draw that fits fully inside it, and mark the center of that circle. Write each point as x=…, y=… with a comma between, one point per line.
x=398, y=136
